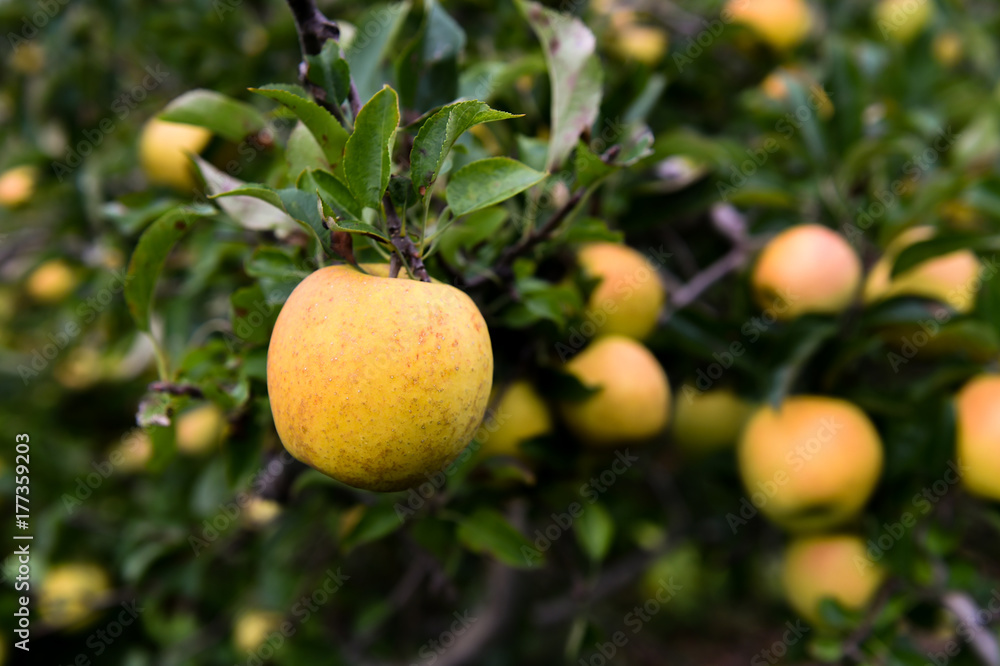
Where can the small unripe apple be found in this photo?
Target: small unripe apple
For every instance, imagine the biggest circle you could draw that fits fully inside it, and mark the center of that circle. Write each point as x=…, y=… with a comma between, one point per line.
x=51, y=282
x=630, y=296
x=810, y=464
x=17, y=185
x=376, y=381
x=164, y=149
x=781, y=23
x=200, y=430
x=830, y=566
x=949, y=278
x=71, y=594
x=259, y=512
x=132, y=454
x=806, y=269
x=978, y=434
x=631, y=40
x=633, y=403
x=521, y=414
x=948, y=48
x=902, y=20
x=710, y=420
x=253, y=627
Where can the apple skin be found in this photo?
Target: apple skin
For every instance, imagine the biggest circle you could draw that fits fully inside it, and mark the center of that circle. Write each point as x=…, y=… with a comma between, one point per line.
x=815, y=460
x=163, y=152
x=709, y=421
x=948, y=278
x=629, y=297
x=521, y=414
x=200, y=430
x=902, y=20
x=70, y=593
x=806, y=269
x=828, y=566
x=783, y=24
x=978, y=436
x=377, y=381
x=633, y=404
x=17, y=185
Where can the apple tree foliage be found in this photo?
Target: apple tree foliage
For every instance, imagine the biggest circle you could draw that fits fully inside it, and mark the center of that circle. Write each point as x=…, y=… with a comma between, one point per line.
x=491, y=139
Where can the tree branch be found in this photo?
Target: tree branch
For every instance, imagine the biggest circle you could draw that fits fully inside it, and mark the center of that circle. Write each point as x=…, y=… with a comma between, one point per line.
x=503, y=269
x=404, y=246
x=314, y=29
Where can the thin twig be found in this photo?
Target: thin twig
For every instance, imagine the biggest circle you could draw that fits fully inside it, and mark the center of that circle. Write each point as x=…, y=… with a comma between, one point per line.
x=402, y=242
x=503, y=269
x=314, y=30
x=176, y=389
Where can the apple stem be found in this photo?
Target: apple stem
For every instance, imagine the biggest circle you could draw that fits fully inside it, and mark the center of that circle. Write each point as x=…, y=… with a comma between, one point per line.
x=406, y=250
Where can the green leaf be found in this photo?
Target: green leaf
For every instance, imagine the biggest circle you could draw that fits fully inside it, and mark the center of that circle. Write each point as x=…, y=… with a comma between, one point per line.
x=488, y=182
x=590, y=168
x=252, y=315
x=474, y=229
x=487, y=531
x=247, y=211
x=304, y=208
x=378, y=521
x=427, y=70
x=595, y=531
x=336, y=196
x=225, y=116
x=329, y=134
x=150, y=255
x=330, y=72
x=438, y=135
x=376, y=30
x=935, y=247
x=574, y=71
x=303, y=152
x=368, y=156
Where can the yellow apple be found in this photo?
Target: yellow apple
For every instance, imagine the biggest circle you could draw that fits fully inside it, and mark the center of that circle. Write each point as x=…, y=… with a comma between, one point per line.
x=51, y=282
x=829, y=566
x=378, y=381
x=810, y=464
x=200, y=430
x=950, y=278
x=131, y=454
x=948, y=48
x=710, y=420
x=521, y=414
x=806, y=269
x=164, y=149
x=629, y=298
x=260, y=512
x=978, y=434
x=633, y=403
x=781, y=23
x=252, y=628
x=902, y=20
x=71, y=594
x=17, y=185
x=631, y=40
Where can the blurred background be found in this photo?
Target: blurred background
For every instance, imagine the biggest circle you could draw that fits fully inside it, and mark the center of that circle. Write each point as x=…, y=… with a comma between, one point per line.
x=171, y=528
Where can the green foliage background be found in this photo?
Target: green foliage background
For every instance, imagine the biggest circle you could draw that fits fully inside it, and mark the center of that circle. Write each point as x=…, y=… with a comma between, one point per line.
x=692, y=129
